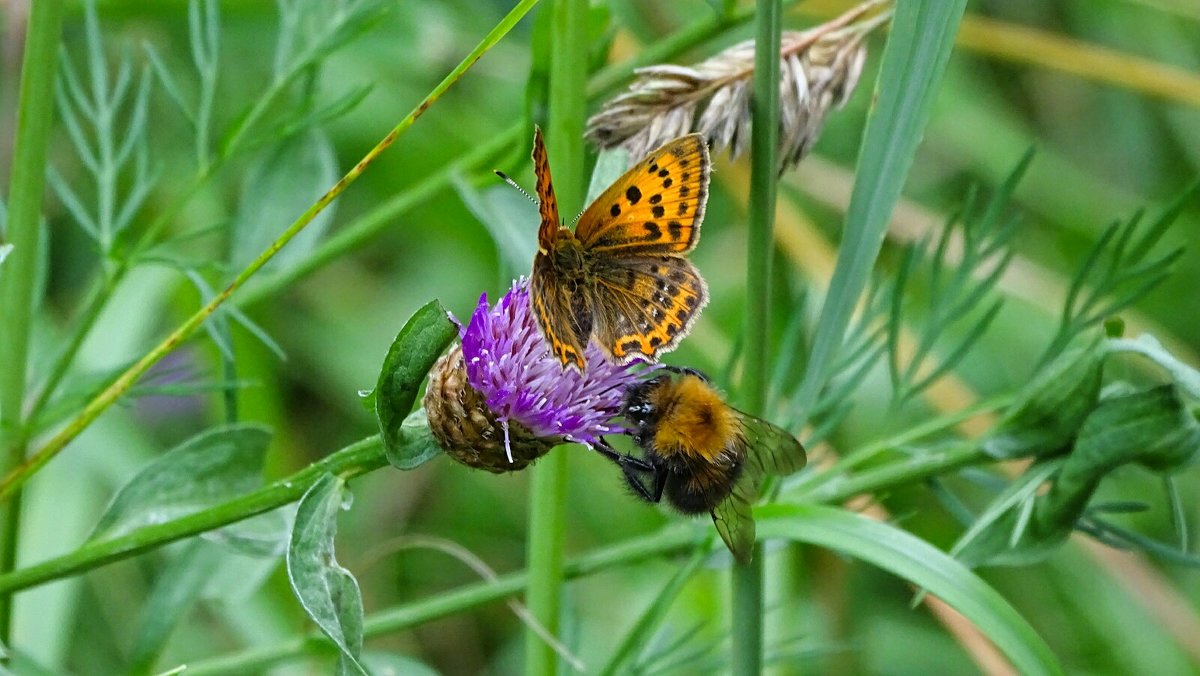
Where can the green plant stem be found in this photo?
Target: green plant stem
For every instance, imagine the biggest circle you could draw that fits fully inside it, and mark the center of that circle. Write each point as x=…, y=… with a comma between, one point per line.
x=906, y=471
x=35, y=112
x=835, y=488
x=18, y=476
x=747, y=579
x=351, y=461
x=678, y=537
x=369, y=224
x=813, y=480
x=547, y=506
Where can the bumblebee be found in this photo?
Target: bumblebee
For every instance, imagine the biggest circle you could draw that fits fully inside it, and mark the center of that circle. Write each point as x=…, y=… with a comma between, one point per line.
x=702, y=453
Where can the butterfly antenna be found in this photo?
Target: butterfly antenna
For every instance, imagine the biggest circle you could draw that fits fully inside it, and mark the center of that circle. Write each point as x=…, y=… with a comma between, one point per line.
x=505, y=177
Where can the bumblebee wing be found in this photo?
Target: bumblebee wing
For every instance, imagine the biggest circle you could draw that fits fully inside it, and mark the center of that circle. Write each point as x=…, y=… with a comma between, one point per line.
x=769, y=450
x=735, y=523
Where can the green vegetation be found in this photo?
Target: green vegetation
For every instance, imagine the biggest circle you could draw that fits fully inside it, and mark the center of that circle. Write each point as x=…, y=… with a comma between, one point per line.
x=231, y=232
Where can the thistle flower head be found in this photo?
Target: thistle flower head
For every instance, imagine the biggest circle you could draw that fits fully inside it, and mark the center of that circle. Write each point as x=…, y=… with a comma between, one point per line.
x=503, y=390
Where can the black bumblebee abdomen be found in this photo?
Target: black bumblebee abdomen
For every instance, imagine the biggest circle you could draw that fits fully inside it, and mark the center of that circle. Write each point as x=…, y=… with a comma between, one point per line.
x=700, y=491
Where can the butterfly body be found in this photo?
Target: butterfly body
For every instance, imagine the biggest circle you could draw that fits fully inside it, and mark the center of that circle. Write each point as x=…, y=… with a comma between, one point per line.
x=621, y=275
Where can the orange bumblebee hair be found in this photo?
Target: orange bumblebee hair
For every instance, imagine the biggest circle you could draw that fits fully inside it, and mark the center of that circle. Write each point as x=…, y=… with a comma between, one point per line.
x=693, y=420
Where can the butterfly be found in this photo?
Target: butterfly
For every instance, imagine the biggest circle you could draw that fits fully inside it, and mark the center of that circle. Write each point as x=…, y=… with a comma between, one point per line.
x=621, y=276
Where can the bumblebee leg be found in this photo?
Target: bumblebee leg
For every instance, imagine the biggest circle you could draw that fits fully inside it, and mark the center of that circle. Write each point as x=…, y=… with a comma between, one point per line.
x=635, y=470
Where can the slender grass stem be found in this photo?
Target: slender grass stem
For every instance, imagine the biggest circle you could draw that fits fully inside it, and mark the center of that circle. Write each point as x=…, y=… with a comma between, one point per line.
x=547, y=513
x=747, y=580
x=35, y=113
x=18, y=476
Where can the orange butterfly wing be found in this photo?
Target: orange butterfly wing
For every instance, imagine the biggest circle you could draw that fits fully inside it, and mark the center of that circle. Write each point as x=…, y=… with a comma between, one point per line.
x=635, y=292
x=563, y=313
x=547, y=202
x=644, y=305
x=654, y=208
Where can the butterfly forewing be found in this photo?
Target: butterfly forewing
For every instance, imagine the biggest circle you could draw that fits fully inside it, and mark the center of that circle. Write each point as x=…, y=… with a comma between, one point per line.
x=655, y=208
x=547, y=204
x=644, y=305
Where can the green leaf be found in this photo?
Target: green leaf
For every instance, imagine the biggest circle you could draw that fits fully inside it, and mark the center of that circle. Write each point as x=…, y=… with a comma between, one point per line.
x=379, y=662
x=995, y=539
x=914, y=60
x=207, y=469
x=175, y=592
x=412, y=354
x=611, y=164
x=921, y=564
x=1049, y=411
x=414, y=443
x=1185, y=376
x=328, y=592
x=510, y=218
x=295, y=171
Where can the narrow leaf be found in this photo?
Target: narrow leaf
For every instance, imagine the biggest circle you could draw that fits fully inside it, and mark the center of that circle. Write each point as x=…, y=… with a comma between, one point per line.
x=295, y=171
x=328, y=592
x=919, y=563
x=207, y=469
x=914, y=60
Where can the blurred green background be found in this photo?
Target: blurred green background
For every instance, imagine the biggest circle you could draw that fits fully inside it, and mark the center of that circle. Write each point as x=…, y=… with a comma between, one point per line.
x=1103, y=149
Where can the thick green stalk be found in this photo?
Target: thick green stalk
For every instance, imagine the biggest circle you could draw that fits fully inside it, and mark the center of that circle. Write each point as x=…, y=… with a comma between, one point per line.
x=18, y=476
x=35, y=112
x=746, y=580
x=351, y=461
x=547, y=511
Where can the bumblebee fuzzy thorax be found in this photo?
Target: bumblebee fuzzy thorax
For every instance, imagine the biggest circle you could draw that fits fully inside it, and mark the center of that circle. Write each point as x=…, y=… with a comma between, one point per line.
x=686, y=417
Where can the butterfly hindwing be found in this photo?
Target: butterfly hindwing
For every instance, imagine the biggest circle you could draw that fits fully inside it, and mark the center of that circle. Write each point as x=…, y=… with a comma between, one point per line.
x=654, y=208
x=644, y=305
x=562, y=313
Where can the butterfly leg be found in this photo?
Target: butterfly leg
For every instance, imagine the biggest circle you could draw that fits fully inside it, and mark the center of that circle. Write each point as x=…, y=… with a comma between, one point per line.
x=635, y=471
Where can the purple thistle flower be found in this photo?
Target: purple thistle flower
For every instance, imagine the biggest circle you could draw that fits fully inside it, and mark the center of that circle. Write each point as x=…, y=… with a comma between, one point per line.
x=508, y=361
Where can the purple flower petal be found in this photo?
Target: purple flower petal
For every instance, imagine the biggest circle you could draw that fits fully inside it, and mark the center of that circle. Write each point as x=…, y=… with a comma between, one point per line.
x=509, y=363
